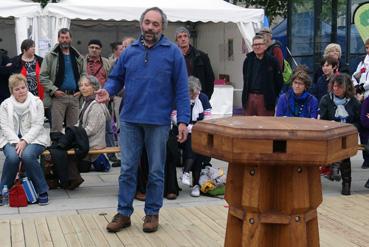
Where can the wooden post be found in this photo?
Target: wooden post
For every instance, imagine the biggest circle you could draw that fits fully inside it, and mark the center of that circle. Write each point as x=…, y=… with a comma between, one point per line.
x=273, y=182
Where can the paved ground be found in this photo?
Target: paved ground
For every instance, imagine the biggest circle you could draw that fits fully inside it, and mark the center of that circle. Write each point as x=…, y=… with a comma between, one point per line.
x=99, y=194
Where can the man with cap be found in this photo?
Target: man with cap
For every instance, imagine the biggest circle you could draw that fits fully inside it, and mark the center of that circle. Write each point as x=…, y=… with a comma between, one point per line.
x=99, y=67
x=273, y=46
x=60, y=72
x=197, y=62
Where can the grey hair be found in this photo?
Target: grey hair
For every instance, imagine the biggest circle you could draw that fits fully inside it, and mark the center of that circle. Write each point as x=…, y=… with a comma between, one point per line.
x=94, y=82
x=194, y=84
x=182, y=30
x=163, y=16
x=332, y=47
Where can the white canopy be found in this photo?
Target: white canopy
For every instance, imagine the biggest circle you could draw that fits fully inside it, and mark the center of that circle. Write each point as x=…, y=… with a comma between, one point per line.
x=18, y=8
x=26, y=18
x=130, y=10
x=182, y=11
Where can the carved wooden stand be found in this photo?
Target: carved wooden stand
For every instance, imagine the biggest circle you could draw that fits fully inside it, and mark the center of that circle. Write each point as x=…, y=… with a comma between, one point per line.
x=273, y=181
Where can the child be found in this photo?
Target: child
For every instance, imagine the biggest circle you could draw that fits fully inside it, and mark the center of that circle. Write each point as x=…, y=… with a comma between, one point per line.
x=329, y=67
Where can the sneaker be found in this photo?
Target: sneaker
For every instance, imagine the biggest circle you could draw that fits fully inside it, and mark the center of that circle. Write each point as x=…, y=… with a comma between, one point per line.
x=113, y=158
x=151, y=223
x=186, y=179
x=43, y=199
x=195, y=191
x=118, y=223
x=116, y=164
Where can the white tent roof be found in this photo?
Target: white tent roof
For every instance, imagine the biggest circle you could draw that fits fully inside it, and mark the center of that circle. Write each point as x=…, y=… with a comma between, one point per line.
x=18, y=8
x=130, y=10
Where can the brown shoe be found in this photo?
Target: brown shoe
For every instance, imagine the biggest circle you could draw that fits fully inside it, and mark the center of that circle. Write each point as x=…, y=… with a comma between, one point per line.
x=140, y=196
x=171, y=196
x=118, y=223
x=151, y=223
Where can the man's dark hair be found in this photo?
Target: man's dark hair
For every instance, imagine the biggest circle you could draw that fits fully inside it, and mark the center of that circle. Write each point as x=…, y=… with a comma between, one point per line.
x=164, y=18
x=114, y=45
x=330, y=60
x=64, y=30
x=26, y=44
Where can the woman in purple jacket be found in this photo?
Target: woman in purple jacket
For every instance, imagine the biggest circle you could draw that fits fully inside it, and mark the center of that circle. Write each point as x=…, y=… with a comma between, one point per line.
x=297, y=101
x=364, y=133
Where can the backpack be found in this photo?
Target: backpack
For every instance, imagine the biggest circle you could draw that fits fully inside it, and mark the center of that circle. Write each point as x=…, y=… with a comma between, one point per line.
x=286, y=68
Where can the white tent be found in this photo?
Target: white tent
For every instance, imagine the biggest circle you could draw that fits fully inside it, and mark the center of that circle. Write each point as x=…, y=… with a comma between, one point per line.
x=25, y=15
x=188, y=10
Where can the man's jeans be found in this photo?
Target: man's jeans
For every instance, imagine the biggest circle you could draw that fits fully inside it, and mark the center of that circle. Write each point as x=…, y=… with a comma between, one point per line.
x=132, y=139
x=30, y=163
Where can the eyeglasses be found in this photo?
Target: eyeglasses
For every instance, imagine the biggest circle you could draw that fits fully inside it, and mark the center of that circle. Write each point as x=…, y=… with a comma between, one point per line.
x=94, y=47
x=258, y=44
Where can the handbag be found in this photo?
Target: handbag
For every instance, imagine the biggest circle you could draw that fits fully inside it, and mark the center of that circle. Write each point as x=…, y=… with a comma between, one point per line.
x=101, y=164
x=17, y=195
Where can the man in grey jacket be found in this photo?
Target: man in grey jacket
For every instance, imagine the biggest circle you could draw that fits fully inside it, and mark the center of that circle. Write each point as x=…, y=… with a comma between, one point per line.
x=60, y=73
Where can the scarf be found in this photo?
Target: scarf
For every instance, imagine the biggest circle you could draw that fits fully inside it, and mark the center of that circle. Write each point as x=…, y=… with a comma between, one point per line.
x=88, y=100
x=197, y=109
x=297, y=104
x=341, y=114
x=16, y=109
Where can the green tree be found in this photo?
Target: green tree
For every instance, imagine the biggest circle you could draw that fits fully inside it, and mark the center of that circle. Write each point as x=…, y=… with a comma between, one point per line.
x=272, y=8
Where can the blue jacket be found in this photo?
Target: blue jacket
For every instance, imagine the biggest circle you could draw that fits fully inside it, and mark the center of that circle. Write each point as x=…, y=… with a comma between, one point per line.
x=155, y=81
x=320, y=88
x=309, y=106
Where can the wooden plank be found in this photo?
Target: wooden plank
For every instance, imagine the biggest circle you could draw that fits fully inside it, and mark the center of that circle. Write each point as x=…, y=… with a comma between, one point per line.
x=43, y=233
x=111, y=238
x=16, y=231
x=94, y=230
x=30, y=232
x=5, y=240
x=106, y=150
x=70, y=234
x=56, y=232
x=81, y=230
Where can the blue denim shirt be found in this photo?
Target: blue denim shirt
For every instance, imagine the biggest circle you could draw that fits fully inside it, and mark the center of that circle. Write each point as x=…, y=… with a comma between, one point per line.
x=155, y=81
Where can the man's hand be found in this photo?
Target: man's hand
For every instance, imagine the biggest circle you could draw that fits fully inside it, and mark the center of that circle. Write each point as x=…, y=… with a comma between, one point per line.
x=77, y=94
x=102, y=96
x=58, y=93
x=182, y=133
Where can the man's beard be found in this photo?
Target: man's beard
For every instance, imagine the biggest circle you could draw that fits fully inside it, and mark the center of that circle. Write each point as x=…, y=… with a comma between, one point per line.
x=64, y=45
x=154, y=36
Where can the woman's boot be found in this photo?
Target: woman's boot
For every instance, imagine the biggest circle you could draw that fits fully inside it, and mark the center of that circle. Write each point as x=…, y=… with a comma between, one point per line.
x=346, y=177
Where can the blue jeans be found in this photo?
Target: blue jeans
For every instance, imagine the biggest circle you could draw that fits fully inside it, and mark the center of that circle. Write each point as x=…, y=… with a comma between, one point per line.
x=132, y=139
x=30, y=163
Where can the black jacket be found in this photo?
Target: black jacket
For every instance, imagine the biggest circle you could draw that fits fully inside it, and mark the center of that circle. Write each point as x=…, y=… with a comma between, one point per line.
x=4, y=76
x=17, y=63
x=201, y=68
x=327, y=109
x=270, y=74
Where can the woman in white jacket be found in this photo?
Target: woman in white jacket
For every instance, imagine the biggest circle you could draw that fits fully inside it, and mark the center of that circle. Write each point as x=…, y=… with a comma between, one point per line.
x=360, y=77
x=22, y=136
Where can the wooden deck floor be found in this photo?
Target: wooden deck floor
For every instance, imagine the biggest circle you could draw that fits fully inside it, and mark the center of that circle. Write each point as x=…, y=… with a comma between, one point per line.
x=343, y=221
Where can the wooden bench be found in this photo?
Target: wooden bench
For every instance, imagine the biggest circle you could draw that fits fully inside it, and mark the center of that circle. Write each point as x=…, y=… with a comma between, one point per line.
x=107, y=150
x=360, y=147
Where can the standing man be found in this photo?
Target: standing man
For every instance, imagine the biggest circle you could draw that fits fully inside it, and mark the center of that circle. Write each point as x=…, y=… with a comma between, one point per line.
x=153, y=72
x=60, y=73
x=197, y=62
x=262, y=80
x=273, y=46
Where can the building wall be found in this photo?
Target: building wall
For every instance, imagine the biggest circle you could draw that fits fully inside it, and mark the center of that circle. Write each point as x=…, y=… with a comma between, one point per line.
x=213, y=38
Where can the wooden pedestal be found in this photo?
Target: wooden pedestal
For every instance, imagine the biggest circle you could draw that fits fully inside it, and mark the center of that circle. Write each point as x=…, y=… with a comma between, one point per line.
x=273, y=183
